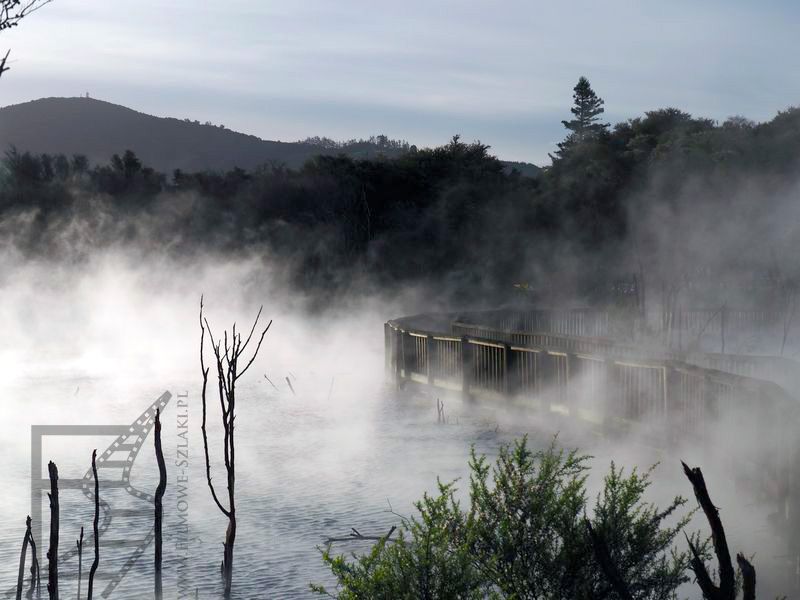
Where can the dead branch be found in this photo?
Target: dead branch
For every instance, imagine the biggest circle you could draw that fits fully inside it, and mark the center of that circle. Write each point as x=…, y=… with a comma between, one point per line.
x=95, y=526
x=355, y=535
x=204, y=370
x=22, y=556
x=159, y=509
x=36, y=584
x=403, y=518
x=726, y=590
x=3, y=67
x=79, y=543
x=11, y=13
x=270, y=382
x=603, y=558
x=748, y=577
x=227, y=354
x=52, y=552
x=701, y=573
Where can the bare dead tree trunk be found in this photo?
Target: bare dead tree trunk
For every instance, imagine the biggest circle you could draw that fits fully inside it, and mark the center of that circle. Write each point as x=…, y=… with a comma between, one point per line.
x=95, y=527
x=79, y=543
x=162, y=486
x=52, y=552
x=726, y=590
x=22, y=556
x=227, y=354
x=603, y=558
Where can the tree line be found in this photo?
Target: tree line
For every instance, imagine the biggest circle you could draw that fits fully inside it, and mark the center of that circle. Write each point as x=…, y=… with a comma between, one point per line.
x=451, y=214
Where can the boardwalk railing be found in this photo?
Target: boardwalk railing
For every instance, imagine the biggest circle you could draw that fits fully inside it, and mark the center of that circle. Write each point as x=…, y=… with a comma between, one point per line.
x=612, y=385
x=590, y=378
x=777, y=369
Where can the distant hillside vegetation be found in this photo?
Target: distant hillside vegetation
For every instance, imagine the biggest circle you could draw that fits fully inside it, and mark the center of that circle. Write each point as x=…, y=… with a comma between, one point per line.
x=100, y=129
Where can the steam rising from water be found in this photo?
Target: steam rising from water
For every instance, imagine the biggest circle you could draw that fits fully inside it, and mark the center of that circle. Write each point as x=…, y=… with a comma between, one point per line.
x=96, y=341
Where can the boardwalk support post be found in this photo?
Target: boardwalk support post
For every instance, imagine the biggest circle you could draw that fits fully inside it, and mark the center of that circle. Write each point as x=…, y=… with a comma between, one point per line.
x=466, y=366
x=429, y=351
x=398, y=353
x=511, y=370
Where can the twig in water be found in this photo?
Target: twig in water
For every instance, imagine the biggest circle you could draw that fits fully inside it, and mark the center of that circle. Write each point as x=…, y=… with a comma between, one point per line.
x=356, y=535
x=159, y=509
x=79, y=543
x=95, y=526
x=404, y=519
x=22, y=555
x=270, y=382
x=289, y=381
x=36, y=583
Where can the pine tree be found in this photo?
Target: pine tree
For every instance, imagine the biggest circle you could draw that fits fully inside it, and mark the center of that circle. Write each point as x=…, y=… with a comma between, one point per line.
x=587, y=110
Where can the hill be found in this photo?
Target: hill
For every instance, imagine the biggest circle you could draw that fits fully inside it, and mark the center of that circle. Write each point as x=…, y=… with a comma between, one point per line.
x=100, y=129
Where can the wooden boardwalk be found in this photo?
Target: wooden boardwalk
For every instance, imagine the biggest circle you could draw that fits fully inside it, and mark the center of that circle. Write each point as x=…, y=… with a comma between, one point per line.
x=569, y=367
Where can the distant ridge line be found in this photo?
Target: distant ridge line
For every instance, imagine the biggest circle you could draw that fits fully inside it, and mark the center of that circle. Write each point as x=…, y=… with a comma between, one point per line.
x=98, y=129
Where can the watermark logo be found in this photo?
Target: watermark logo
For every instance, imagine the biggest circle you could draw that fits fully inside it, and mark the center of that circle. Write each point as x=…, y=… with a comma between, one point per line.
x=184, y=583
x=126, y=526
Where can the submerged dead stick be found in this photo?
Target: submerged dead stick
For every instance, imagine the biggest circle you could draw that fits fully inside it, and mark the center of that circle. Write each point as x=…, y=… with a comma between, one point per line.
x=95, y=526
x=79, y=543
x=270, y=382
x=159, y=509
x=22, y=555
x=52, y=552
x=36, y=583
x=354, y=535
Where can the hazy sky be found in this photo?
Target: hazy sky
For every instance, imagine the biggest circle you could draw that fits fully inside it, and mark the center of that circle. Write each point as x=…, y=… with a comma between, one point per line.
x=421, y=70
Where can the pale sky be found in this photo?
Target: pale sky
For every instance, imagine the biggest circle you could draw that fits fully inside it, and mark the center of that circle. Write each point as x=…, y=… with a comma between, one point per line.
x=420, y=70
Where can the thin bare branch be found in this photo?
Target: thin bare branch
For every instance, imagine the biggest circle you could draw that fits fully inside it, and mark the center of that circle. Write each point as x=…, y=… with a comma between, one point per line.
x=204, y=404
x=258, y=347
x=253, y=328
x=22, y=556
